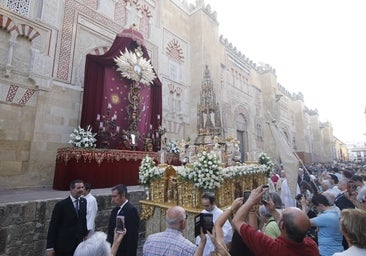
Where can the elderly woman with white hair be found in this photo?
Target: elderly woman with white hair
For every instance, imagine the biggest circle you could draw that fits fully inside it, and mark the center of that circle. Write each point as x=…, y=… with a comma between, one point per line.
x=97, y=245
x=353, y=222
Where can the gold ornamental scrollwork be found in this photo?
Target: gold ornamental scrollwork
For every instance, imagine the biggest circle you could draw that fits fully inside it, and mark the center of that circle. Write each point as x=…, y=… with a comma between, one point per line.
x=147, y=211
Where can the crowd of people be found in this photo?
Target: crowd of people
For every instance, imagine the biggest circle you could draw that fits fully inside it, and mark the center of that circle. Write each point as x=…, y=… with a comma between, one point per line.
x=326, y=217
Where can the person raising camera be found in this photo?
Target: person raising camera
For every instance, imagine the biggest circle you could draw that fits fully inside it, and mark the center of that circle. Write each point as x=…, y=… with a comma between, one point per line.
x=293, y=224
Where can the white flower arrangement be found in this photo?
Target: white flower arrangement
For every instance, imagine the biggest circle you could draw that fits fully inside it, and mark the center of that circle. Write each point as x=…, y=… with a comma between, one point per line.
x=148, y=171
x=206, y=174
x=135, y=67
x=242, y=170
x=172, y=147
x=202, y=178
x=83, y=138
x=264, y=159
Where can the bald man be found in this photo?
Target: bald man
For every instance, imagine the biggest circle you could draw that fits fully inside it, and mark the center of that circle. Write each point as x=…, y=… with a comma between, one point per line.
x=171, y=241
x=293, y=224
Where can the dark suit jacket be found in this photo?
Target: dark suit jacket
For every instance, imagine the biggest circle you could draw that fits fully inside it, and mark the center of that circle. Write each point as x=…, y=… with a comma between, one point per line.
x=67, y=228
x=128, y=245
x=306, y=178
x=342, y=202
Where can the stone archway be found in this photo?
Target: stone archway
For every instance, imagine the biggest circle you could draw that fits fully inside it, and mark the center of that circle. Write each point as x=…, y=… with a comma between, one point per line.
x=242, y=124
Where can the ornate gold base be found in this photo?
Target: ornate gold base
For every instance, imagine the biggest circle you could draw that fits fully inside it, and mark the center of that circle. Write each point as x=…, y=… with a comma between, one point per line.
x=169, y=190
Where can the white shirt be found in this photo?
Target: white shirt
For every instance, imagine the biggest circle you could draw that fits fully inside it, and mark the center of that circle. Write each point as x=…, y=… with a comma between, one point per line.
x=361, y=193
x=74, y=201
x=120, y=208
x=91, y=211
x=227, y=230
x=352, y=251
x=335, y=191
x=287, y=199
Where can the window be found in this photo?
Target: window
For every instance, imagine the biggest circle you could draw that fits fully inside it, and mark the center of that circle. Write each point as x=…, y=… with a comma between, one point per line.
x=174, y=71
x=259, y=132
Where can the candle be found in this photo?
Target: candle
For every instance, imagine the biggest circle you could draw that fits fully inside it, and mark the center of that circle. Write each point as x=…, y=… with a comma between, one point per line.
x=158, y=117
x=133, y=137
x=117, y=129
x=98, y=117
x=150, y=126
x=109, y=106
x=101, y=125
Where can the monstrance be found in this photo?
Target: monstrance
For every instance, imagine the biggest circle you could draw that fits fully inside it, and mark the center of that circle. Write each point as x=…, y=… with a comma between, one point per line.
x=132, y=65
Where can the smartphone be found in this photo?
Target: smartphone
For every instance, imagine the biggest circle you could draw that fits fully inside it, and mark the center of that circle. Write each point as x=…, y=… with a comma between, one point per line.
x=246, y=195
x=265, y=196
x=120, y=224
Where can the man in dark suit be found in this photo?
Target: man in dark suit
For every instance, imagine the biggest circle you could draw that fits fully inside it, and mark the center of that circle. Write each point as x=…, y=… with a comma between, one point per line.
x=68, y=223
x=124, y=208
x=302, y=176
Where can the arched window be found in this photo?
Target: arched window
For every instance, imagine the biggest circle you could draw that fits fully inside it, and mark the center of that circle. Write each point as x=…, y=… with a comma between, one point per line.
x=242, y=135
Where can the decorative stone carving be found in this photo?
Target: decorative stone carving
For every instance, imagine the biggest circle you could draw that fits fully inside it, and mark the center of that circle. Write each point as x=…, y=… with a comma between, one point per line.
x=146, y=211
x=208, y=112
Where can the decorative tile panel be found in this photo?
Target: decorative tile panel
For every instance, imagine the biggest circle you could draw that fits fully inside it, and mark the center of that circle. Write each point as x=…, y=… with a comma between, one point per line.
x=174, y=51
x=20, y=7
x=72, y=9
x=12, y=93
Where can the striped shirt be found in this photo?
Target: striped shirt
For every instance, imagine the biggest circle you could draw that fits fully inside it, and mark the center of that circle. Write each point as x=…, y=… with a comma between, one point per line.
x=171, y=242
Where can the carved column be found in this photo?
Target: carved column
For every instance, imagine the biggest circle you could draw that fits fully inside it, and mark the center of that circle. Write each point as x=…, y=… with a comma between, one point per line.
x=8, y=66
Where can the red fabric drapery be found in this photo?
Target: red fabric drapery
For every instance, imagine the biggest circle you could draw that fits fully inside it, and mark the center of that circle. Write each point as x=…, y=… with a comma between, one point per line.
x=102, y=168
x=104, y=85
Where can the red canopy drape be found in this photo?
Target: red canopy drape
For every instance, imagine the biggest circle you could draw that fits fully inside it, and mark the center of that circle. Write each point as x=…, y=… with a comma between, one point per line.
x=104, y=85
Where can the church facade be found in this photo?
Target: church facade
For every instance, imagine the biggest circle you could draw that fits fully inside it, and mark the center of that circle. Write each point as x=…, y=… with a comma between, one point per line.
x=42, y=50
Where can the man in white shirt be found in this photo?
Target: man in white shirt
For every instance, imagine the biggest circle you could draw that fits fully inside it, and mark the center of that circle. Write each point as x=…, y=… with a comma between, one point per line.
x=91, y=209
x=208, y=202
x=287, y=199
x=327, y=186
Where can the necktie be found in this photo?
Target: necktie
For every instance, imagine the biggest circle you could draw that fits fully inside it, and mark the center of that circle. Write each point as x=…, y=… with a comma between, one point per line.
x=77, y=206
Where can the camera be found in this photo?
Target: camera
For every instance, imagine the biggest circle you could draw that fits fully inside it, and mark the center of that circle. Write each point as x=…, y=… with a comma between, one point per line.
x=265, y=196
x=246, y=195
x=204, y=220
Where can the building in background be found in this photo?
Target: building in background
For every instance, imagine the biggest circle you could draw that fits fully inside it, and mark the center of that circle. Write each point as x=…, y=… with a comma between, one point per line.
x=42, y=50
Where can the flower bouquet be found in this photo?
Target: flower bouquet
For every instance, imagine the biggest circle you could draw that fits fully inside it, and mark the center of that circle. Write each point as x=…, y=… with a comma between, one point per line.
x=172, y=153
x=172, y=147
x=82, y=138
x=206, y=172
x=264, y=159
x=148, y=171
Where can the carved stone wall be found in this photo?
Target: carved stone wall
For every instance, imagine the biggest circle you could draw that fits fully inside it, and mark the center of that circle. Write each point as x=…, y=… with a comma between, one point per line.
x=42, y=57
